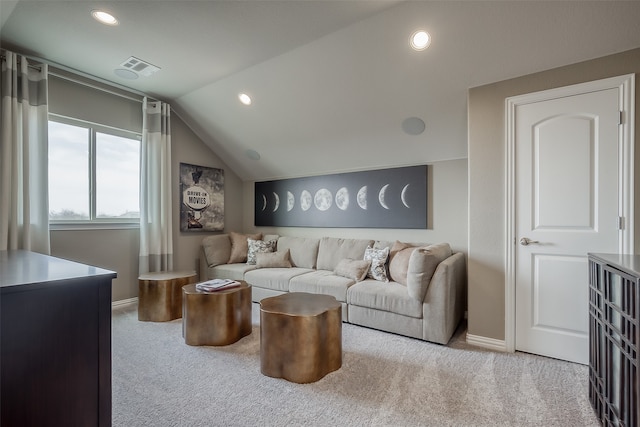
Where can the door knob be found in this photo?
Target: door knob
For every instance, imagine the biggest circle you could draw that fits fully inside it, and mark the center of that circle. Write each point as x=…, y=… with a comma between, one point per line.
x=525, y=241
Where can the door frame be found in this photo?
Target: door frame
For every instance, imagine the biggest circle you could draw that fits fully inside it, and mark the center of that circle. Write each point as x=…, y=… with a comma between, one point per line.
x=626, y=87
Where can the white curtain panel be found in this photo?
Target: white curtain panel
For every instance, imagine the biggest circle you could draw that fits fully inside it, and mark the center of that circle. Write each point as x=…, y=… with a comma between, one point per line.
x=156, y=234
x=24, y=180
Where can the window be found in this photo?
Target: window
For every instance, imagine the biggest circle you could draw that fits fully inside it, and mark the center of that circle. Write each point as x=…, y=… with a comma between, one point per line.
x=94, y=172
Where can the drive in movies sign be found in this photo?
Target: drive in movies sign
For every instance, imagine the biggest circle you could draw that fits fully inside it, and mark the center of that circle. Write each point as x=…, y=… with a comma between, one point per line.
x=201, y=198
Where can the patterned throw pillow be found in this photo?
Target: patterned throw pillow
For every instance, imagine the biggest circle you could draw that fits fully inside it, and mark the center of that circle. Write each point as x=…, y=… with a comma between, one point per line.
x=378, y=258
x=259, y=246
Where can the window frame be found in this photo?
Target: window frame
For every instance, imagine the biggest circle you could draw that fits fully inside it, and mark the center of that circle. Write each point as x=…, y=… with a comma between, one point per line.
x=93, y=222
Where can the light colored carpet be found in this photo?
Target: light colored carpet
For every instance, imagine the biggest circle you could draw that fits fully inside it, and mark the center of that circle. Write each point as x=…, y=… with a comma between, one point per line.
x=385, y=380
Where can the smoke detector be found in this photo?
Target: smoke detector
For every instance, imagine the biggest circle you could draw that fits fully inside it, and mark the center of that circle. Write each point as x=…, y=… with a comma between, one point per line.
x=139, y=66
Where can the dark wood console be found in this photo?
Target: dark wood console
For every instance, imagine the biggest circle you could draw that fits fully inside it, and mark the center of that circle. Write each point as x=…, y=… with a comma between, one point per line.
x=614, y=336
x=55, y=342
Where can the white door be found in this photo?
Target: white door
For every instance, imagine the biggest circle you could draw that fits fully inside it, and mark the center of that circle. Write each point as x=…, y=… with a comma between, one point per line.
x=566, y=205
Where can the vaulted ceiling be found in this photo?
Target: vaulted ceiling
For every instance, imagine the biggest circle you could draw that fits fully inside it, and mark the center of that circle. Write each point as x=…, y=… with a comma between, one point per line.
x=331, y=80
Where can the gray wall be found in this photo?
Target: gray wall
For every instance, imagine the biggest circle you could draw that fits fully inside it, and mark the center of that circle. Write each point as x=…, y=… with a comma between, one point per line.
x=188, y=148
x=446, y=212
x=487, y=174
x=118, y=249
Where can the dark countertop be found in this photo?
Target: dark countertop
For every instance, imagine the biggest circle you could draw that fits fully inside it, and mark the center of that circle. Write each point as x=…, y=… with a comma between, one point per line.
x=19, y=267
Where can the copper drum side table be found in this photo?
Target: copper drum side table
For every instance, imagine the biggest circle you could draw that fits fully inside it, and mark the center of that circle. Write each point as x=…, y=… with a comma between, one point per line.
x=216, y=318
x=160, y=294
x=300, y=336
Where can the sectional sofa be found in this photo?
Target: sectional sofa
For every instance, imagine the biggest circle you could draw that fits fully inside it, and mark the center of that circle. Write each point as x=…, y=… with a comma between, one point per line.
x=416, y=290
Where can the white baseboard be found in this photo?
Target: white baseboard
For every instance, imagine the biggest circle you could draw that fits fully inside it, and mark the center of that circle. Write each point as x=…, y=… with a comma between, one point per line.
x=490, y=343
x=124, y=302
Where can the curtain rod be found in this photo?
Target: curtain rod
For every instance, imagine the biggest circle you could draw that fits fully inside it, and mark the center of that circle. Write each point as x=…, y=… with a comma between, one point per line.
x=35, y=67
x=84, y=75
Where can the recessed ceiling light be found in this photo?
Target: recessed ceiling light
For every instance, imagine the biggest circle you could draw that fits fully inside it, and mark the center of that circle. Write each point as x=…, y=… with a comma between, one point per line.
x=244, y=98
x=420, y=40
x=104, y=17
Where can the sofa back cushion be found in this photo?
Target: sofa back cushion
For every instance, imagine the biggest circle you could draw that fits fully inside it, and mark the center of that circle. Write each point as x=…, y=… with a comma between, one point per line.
x=303, y=252
x=217, y=249
x=332, y=250
x=422, y=265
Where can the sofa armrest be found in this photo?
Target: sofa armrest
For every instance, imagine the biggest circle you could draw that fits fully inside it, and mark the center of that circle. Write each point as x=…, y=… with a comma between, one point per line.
x=443, y=305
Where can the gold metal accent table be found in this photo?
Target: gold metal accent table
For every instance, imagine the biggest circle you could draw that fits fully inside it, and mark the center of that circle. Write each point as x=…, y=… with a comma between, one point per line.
x=160, y=294
x=300, y=336
x=216, y=318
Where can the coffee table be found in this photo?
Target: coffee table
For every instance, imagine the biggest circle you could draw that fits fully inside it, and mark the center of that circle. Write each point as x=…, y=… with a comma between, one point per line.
x=216, y=318
x=300, y=336
x=160, y=294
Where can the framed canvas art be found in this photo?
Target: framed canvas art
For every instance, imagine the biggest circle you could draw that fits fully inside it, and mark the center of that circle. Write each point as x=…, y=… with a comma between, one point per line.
x=384, y=198
x=201, y=198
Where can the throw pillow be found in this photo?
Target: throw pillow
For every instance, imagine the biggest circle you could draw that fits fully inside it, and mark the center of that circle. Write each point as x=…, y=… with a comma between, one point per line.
x=273, y=237
x=273, y=259
x=217, y=249
x=256, y=246
x=422, y=266
x=399, y=261
x=240, y=246
x=355, y=269
x=378, y=258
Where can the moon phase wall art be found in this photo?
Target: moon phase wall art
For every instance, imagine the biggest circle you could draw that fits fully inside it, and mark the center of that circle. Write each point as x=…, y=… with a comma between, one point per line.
x=384, y=198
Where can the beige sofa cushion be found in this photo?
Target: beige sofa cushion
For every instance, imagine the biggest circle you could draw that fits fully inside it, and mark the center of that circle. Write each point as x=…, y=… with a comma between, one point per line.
x=399, y=261
x=217, y=249
x=333, y=250
x=229, y=271
x=303, y=252
x=322, y=282
x=240, y=246
x=422, y=264
x=276, y=279
x=392, y=297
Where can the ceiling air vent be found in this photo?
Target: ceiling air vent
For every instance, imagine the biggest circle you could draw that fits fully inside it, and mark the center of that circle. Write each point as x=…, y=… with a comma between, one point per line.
x=139, y=66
